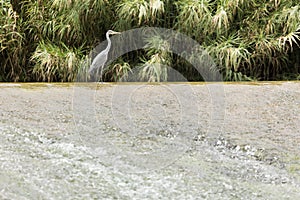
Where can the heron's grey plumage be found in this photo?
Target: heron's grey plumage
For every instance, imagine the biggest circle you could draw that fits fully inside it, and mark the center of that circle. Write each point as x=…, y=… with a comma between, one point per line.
x=100, y=60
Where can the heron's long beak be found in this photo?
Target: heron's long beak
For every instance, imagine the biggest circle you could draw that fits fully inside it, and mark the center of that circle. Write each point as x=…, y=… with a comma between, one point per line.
x=114, y=33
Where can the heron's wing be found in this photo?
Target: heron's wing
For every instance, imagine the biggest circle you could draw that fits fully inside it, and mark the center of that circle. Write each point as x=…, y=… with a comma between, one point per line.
x=99, y=61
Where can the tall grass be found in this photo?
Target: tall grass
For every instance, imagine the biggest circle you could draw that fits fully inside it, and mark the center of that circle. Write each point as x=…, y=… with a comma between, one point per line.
x=12, y=57
x=120, y=71
x=50, y=40
x=55, y=63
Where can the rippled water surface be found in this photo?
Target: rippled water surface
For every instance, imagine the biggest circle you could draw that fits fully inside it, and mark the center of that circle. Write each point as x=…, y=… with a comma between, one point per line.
x=169, y=141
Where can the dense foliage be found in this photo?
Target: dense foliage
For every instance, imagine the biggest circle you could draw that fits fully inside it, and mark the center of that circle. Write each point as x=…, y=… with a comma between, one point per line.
x=48, y=40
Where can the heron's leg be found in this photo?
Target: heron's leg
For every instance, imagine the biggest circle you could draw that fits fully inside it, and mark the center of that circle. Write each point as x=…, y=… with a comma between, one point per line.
x=97, y=74
x=101, y=73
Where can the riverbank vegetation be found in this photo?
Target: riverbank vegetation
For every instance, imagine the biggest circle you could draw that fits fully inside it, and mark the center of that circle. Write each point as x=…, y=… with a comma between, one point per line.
x=249, y=40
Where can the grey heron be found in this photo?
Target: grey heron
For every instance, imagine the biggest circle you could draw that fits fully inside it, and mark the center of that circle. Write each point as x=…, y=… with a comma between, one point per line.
x=100, y=60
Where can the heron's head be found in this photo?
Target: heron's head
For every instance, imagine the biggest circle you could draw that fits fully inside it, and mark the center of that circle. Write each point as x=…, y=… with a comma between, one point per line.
x=110, y=32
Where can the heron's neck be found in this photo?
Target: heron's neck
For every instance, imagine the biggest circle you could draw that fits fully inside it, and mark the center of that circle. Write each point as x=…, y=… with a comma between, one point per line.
x=108, y=42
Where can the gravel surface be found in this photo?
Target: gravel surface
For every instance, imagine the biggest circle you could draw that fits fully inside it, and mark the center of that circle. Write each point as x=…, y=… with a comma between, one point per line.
x=150, y=141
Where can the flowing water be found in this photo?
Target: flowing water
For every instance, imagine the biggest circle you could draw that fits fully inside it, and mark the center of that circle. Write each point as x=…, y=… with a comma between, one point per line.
x=150, y=141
